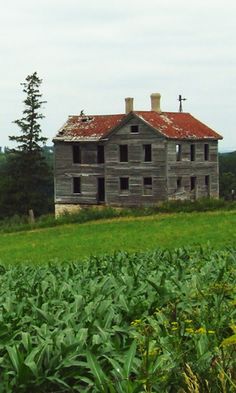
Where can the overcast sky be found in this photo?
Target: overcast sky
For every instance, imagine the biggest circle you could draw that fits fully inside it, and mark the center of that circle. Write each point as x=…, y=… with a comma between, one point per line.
x=93, y=54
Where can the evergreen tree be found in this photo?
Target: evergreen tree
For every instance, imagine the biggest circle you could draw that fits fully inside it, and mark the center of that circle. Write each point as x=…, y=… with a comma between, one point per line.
x=26, y=178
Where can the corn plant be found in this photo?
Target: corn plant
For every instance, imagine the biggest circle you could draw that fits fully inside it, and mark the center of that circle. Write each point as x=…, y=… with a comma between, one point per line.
x=160, y=321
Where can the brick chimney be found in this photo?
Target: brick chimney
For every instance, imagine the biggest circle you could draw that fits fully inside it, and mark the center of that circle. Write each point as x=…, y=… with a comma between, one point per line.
x=129, y=104
x=156, y=102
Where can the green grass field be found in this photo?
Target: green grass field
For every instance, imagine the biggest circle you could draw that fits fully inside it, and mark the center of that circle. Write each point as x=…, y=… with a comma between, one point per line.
x=79, y=241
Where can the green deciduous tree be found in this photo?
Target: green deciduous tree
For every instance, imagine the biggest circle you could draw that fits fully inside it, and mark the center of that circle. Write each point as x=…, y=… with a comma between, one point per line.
x=26, y=177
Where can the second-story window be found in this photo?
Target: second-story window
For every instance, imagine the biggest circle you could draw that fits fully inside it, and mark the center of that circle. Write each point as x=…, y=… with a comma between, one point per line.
x=100, y=154
x=206, y=151
x=192, y=152
x=123, y=153
x=147, y=153
x=178, y=149
x=76, y=154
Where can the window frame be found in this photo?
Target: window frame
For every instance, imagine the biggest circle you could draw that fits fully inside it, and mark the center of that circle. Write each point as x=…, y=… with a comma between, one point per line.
x=193, y=183
x=123, y=156
x=124, y=190
x=147, y=150
x=147, y=188
x=134, y=127
x=206, y=152
x=100, y=154
x=74, y=185
x=76, y=154
x=178, y=151
x=179, y=182
x=192, y=152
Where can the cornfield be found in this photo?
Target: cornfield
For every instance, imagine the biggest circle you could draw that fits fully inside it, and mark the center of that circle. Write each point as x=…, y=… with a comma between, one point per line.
x=160, y=321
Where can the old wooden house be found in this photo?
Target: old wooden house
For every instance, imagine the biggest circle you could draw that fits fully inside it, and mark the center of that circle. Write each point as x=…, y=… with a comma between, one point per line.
x=138, y=158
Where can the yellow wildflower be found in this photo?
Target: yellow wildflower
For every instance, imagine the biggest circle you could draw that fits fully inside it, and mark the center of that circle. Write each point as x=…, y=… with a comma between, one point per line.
x=201, y=330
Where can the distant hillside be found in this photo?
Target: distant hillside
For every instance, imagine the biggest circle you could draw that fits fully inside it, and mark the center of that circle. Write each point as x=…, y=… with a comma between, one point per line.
x=227, y=167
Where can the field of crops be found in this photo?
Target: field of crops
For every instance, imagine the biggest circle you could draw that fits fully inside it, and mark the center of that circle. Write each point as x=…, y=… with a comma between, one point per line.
x=161, y=321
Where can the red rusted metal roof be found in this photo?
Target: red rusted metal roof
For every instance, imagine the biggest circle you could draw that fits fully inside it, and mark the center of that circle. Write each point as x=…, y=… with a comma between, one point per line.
x=176, y=125
x=172, y=125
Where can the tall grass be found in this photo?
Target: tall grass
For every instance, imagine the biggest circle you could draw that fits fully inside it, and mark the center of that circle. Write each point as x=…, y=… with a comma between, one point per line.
x=148, y=322
x=21, y=223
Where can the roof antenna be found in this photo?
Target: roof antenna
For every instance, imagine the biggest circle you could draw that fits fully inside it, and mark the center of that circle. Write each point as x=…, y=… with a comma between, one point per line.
x=180, y=103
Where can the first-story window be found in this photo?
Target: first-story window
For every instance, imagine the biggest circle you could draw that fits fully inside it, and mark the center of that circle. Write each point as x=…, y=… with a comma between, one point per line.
x=193, y=182
x=147, y=186
x=76, y=185
x=179, y=183
x=207, y=183
x=124, y=185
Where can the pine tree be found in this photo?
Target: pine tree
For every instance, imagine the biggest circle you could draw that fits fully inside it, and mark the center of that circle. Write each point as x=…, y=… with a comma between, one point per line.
x=27, y=181
x=31, y=138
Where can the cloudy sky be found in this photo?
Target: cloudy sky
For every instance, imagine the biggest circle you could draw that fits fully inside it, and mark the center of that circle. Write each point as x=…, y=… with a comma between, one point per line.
x=93, y=54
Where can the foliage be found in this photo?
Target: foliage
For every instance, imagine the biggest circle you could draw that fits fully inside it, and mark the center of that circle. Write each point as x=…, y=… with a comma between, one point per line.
x=26, y=179
x=149, y=322
x=227, y=176
x=21, y=223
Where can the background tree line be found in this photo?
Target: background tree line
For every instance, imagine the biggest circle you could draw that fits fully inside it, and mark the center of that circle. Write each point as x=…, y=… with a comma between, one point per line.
x=26, y=171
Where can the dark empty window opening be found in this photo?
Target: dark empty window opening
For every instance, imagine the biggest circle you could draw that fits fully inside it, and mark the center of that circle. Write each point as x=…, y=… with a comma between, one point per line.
x=76, y=185
x=134, y=128
x=100, y=154
x=179, y=182
x=123, y=153
x=147, y=186
x=207, y=181
x=192, y=152
x=147, y=153
x=193, y=183
x=76, y=154
x=178, y=152
x=124, y=184
x=206, y=151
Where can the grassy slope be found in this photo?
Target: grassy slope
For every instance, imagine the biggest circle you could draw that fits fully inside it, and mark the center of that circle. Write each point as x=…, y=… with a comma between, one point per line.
x=75, y=242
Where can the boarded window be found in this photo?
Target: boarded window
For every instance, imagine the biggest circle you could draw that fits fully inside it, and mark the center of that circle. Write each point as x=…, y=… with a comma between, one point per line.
x=100, y=154
x=179, y=182
x=147, y=186
x=124, y=184
x=76, y=154
x=147, y=153
x=178, y=152
x=206, y=151
x=134, y=128
x=193, y=182
x=192, y=152
x=76, y=185
x=123, y=153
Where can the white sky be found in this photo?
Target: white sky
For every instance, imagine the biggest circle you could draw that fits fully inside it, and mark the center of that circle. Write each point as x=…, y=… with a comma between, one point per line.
x=93, y=54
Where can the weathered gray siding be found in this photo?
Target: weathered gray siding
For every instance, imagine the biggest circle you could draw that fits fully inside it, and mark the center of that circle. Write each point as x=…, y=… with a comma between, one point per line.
x=199, y=168
x=65, y=170
x=136, y=168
